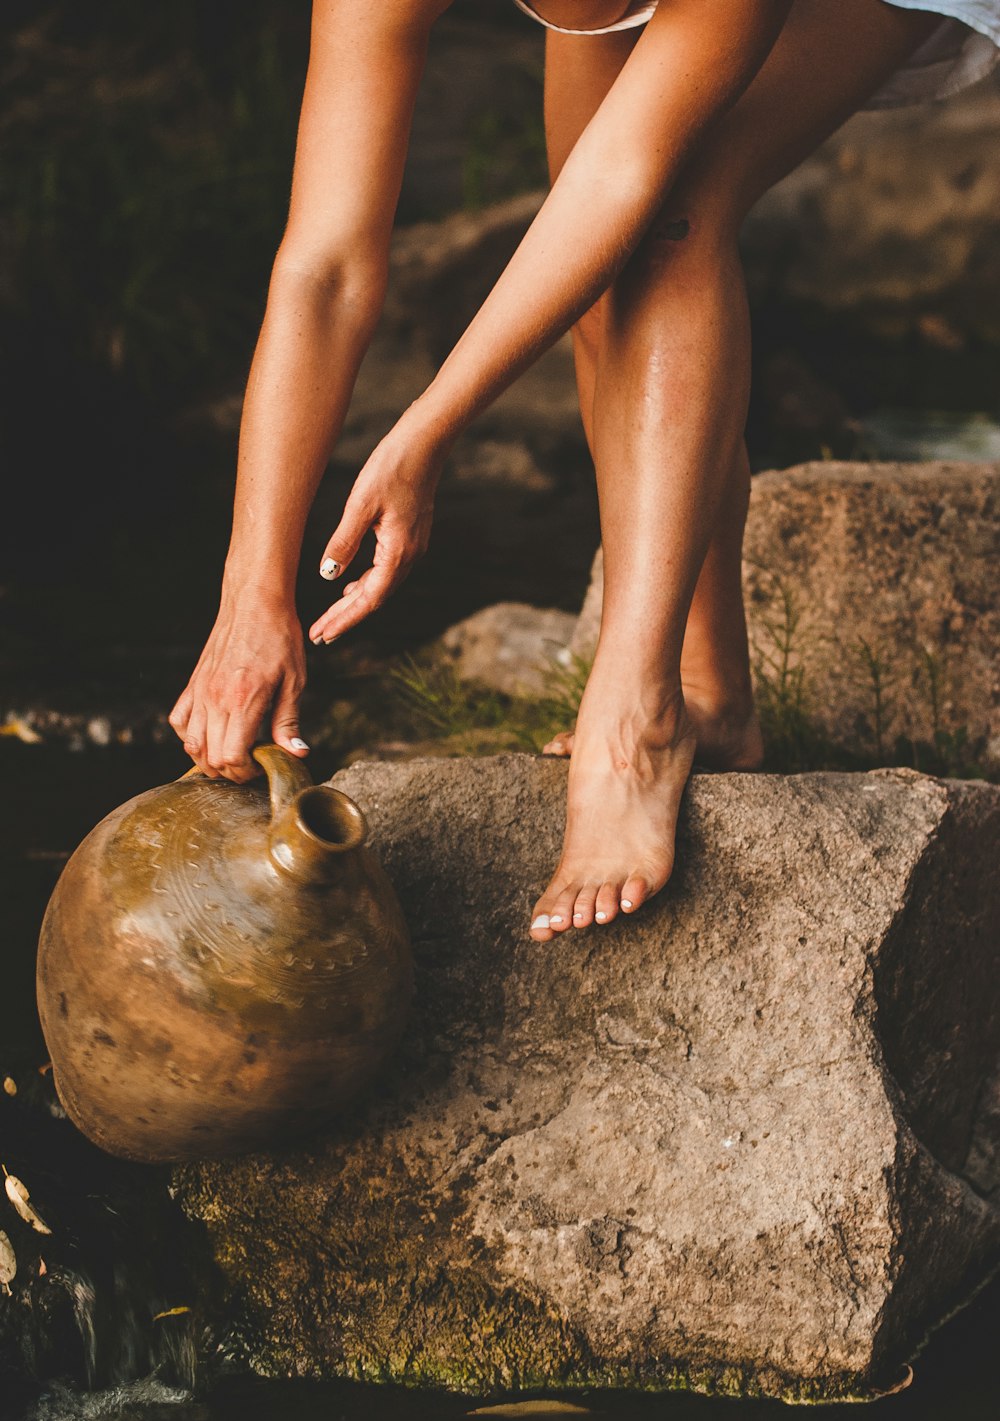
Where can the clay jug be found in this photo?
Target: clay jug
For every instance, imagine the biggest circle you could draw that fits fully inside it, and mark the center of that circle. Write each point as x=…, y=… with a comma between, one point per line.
x=220, y=966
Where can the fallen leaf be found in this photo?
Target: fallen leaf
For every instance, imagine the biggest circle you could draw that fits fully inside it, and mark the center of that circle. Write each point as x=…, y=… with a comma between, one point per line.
x=21, y=730
x=901, y=1385
x=170, y=1312
x=42, y=1268
x=8, y=1262
x=9, y=1085
x=44, y=1070
x=19, y=1196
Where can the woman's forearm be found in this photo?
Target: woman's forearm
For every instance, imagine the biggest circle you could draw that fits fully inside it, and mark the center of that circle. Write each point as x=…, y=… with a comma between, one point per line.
x=315, y=332
x=329, y=277
x=681, y=75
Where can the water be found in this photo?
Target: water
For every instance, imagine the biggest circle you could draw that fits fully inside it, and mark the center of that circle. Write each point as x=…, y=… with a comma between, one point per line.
x=120, y=1254
x=931, y=434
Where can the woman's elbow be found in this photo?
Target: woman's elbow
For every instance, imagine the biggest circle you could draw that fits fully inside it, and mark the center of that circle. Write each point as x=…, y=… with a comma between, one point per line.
x=352, y=284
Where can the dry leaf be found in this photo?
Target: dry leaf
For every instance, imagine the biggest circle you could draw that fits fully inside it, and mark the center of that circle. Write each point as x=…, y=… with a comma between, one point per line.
x=44, y=1070
x=170, y=1312
x=901, y=1385
x=42, y=1268
x=19, y=1196
x=21, y=730
x=8, y=1262
x=9, y=1085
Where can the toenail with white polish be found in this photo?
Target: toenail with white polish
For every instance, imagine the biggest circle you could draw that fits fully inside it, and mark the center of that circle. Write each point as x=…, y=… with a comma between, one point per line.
x=577, y=915
x=553, y=921
x=626, y=902
x=542, y=921
x=601, y=917
x=329, y=568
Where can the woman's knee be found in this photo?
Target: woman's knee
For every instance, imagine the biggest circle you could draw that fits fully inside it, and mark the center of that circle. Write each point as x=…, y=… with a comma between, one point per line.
x=588, y=328
x=688, y=234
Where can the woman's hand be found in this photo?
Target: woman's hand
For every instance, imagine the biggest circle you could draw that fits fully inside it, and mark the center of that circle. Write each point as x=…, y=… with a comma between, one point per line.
x=254, y=661
x=394, y=497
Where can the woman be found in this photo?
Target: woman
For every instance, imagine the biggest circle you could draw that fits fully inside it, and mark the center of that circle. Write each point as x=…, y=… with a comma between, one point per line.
x=665, y=123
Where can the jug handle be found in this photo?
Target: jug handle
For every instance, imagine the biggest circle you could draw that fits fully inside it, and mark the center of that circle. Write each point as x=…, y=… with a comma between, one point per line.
x=286, y=775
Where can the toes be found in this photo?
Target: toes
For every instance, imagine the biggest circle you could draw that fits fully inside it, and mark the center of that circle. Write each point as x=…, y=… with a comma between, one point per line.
x=634, y=894
x=561, y=744
x=540, y=930
x=606, y=908
x=541, y=918
x=583, y=908
x=561, y=912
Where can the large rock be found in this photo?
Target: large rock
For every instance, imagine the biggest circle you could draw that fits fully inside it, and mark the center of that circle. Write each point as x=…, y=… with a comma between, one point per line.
x=875, y=587
x=895, y=218
x=511, y=646
x=721, y=1144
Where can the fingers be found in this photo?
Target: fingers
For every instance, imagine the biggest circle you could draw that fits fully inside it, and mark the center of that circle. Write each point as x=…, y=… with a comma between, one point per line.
x=397, y=548
x=285, y=720
x=222, y=729
x=246, y=664
x=233, y=723
x=181, y=713
x=347, y=538
x=194, y=735
x=215, y=737
x=359, y=601
x=238, y=740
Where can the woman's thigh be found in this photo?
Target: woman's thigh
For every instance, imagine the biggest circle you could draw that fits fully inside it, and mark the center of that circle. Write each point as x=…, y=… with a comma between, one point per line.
x=579, y=71
x=830, y=57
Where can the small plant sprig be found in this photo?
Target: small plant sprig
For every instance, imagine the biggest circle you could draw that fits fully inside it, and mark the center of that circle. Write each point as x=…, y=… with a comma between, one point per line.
x=437, y=702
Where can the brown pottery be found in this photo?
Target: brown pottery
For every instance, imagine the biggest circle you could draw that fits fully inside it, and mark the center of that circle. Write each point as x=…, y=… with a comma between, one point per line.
x=219, y=966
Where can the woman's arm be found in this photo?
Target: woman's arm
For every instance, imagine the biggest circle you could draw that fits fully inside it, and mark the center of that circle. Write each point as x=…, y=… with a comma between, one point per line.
x=326, y=292
x=692, y=62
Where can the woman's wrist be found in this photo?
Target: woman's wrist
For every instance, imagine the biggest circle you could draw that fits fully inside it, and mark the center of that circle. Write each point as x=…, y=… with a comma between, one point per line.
x=430, y=424
x=258, y=587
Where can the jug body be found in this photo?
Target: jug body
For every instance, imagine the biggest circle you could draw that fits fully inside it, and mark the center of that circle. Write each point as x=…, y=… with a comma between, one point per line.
x=220, y=966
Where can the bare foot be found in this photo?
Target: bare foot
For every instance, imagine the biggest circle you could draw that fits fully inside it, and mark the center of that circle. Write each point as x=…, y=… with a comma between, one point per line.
x=561, y=744
x=729, y=737
x=626, y=779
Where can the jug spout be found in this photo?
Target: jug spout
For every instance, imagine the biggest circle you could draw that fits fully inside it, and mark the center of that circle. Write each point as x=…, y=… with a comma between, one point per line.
x=311, y=825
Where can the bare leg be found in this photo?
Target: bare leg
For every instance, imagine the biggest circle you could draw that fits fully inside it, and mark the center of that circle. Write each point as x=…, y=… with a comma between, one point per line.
x=715, y=664
x=669, y=403
x=715, y=668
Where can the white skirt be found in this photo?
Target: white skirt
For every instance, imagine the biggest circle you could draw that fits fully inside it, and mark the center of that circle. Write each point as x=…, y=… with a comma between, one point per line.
x=963, y=49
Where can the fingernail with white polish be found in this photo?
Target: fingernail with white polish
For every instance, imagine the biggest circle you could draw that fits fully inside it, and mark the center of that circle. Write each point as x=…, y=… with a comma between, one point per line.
x=329, y=569
x=601, y=917
x=297, y=743
x=626, y=902
x=542, y=921
x=317, y=641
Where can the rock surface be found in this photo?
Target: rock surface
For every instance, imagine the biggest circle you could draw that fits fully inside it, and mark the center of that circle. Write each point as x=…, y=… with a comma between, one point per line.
x=719, y=1145
x=881, y=582
x=511, y=646
x=894, y=217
